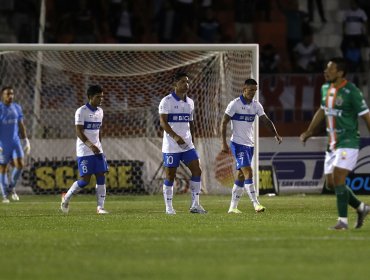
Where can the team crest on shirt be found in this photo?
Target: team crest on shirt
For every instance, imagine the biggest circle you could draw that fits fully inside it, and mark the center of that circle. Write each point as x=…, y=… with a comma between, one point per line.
x=339, y=101
x=344, y=155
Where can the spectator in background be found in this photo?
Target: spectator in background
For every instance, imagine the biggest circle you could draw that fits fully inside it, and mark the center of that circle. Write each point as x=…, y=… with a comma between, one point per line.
x=320, y=9
x=124, y=29
x=353, y=57
x=306, y=55
x=209, y=28
x=354, y=27
x=165, y=22
x=269, y=59
x=85, y=25
x=297, y=25
x=264, y=6
x=244, y=17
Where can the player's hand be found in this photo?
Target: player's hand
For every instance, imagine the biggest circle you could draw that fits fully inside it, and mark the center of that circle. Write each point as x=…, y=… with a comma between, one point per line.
x=26, y=146
x=225, y=148
x=278, y=138
x=179, y=140
x=95, y=150
x=304, y=136
x=1, y=149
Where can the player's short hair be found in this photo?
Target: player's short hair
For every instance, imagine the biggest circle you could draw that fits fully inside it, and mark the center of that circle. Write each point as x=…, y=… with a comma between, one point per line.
x=6, y=88
x=94, y=90
x=341, y=64
x=249, y=82
x=177, y=76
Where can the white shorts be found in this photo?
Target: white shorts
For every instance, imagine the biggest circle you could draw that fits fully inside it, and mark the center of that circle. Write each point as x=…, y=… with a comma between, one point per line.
x=345, y=158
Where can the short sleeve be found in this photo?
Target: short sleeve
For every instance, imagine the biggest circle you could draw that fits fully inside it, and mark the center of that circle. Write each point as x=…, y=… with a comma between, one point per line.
x=259, y=109
x=359, y=103
x=79, y=117
x=230, y=109
x=163, y=106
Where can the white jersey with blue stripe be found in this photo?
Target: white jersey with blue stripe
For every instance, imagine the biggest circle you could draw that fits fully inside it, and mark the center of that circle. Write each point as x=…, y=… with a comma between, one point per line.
x=180, y=113
x=242, y=114
x=91, y=119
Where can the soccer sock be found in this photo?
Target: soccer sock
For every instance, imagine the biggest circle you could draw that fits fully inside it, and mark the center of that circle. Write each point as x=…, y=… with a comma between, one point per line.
x=101, y=192
x=342, y=201
x=75, y=188
x=195, y=190
x=3, y=185
x=16, y=173
x=251, y=191
x=352, y=199
x=236, y=194
x=168, y=194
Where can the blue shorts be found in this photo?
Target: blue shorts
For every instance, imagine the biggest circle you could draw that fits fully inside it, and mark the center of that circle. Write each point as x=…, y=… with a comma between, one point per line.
x=173, y=159
x=92, y=164
x=242, y=154
x=10, y=151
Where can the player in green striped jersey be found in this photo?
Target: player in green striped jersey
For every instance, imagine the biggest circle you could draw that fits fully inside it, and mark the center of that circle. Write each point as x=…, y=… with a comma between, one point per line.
x=341, y=105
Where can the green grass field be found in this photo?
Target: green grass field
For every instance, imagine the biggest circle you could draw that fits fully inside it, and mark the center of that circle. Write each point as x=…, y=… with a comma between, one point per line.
x=137, y=240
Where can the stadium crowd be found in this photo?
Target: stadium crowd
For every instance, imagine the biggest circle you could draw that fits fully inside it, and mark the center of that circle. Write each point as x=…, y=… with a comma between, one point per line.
x=286, y=32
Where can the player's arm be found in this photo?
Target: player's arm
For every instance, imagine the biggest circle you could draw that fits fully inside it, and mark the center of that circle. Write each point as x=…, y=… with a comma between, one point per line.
x=23, y=135
x=314, y=126
x=225, y=120
x=366, y=118
x=163, y=119
x=270, y=125
x=80, y=134
x=192, y=131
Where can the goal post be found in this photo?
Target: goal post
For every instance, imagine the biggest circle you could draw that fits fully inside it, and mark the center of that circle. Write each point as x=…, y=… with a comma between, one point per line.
x=50, y=82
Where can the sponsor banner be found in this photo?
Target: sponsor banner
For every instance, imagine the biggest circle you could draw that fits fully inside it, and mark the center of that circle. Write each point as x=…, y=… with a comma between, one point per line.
x=124, y=176
x=268, y=181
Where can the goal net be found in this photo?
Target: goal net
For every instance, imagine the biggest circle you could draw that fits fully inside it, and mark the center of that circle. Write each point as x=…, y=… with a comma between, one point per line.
x=50, y=83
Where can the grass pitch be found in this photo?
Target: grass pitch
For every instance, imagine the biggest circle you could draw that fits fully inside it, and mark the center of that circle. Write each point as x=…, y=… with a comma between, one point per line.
x=137, y=240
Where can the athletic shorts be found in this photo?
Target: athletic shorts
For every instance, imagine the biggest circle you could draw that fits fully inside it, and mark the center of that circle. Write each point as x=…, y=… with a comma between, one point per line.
x=345, y=158
x=92, y=164
x=243, y=155
x=10, y=151
x=173, y=159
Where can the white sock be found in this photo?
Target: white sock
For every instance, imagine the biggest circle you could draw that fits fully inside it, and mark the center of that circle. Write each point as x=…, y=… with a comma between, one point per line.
x=361, y=207
x=168, y=195
x=236, y=194
x=251, y=191
x=343, y=220
x=195, y=190
x=101, y=192
x=72, y=190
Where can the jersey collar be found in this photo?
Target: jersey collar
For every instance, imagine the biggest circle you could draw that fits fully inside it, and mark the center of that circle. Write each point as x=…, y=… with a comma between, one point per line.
x=244, y=101
x=88, y=105
x=176, y=97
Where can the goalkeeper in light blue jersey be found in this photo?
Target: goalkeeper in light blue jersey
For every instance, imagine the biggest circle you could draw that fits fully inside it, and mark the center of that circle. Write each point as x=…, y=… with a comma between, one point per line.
x=13, y=143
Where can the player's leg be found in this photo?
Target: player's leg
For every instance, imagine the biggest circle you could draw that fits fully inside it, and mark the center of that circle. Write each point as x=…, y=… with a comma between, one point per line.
x=4, y=183
x=344, y=161
x=101, y=168
x=171, y=162
x=5, y=157
x=18, y=165
x=191, y=160
x=84, y=165
x=237, y=193
x=250, y=188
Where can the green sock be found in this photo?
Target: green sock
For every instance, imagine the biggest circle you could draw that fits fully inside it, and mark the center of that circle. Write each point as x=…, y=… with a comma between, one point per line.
x=352, y=199
x=342, y=200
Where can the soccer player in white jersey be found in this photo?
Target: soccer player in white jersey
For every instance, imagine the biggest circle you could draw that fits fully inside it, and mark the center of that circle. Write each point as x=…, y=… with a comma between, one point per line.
x=242, y=112
x=12, y=137
x=176, y=119
x=90, y=157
